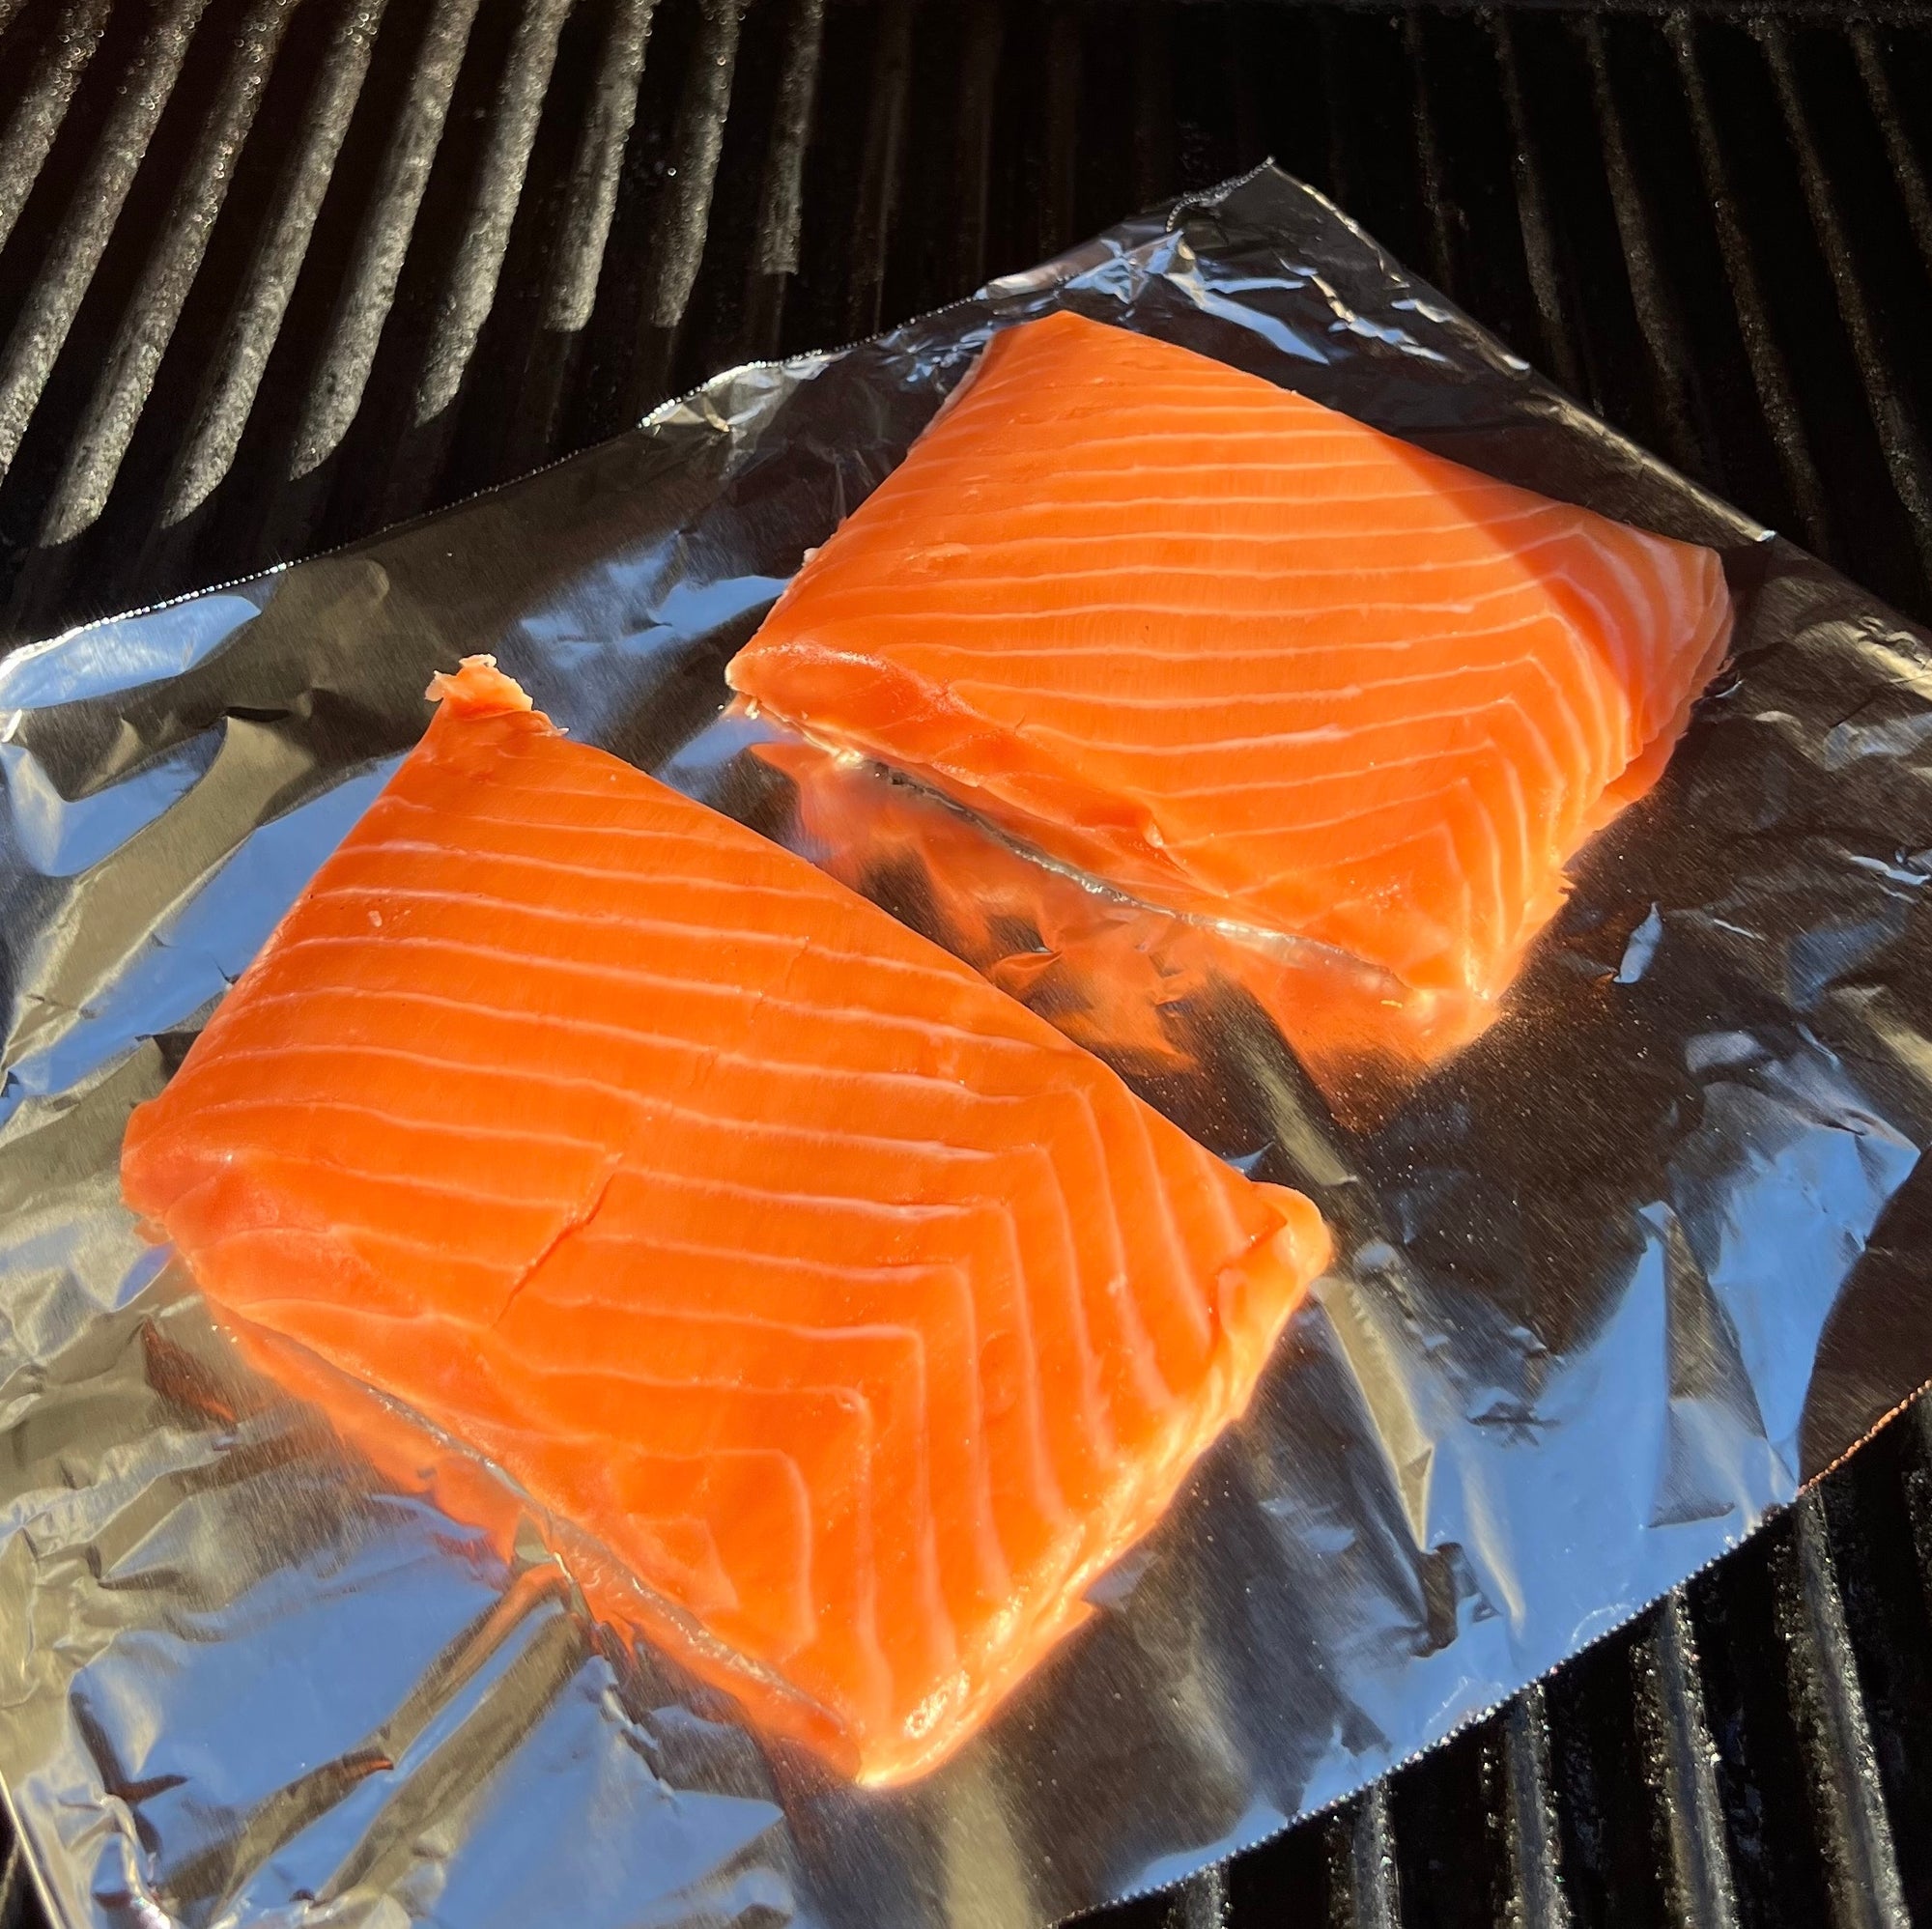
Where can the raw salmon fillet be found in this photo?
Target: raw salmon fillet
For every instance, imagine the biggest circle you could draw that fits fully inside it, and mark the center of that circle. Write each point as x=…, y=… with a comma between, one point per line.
x=1246, y=657
x=856, y=1318
x=1143, y=986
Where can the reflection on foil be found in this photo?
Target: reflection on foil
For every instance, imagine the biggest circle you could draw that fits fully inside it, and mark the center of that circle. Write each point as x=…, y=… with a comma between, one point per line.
x=1134, y=984
x=1624, y=1266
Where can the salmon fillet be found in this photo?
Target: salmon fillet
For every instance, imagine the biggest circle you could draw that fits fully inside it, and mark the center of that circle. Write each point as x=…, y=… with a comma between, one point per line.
x=849, y=1318
x=1246, y=657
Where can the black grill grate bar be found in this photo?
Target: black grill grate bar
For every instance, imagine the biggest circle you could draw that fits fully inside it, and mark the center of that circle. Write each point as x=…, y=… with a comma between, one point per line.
x=781, y=218
x=1336, y=109
x=1661, y=327
x=41, y=330
x=676, y=246
x=1248, y=72
x=234, y=374
x=1364, y=1887
x=1535, y=1885
x=1860, y=1860
x=1699, y=1885
x=470, y=290
x=1060, y=158
x=590, y=203
x=1429, y=154
x=1771, y=376
x=1906, y=171
x=1533, y=216
x=780, y=190
x=1201, y=1902
x=980, y=71
x=1153, y=107
x=29, y=135
x=696, y=142
x=575, y=266
x=879, y=168
x=337, y=383
x=1918, y=1489
x=147, y=322
x=1898, y=433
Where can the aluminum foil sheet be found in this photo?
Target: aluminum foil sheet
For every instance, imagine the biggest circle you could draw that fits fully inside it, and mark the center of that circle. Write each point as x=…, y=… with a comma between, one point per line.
x=1619, y=1278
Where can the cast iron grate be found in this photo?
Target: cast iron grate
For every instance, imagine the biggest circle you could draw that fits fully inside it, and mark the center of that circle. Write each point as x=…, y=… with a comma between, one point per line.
x=275, y=271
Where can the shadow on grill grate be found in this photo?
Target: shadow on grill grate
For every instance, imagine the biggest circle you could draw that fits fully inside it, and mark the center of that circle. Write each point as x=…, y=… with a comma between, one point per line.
x=273, y=273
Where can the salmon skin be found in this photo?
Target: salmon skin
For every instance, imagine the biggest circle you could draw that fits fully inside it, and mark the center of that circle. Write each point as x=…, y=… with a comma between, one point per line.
x=1246, y=657
x=850, y=1315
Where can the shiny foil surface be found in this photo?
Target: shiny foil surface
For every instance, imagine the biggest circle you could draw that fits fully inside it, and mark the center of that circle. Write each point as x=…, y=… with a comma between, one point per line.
x=1616, y=1280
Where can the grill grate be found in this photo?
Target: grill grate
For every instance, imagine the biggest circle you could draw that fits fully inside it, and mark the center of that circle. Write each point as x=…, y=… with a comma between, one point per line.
x=274, y=272
x=511, y=228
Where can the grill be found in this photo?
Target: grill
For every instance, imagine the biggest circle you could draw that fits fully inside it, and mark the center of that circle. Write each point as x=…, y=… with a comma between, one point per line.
x=273, y=273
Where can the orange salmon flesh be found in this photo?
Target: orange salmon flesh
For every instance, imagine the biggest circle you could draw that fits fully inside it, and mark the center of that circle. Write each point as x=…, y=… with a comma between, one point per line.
x=1248, y=658
x=859, y=1318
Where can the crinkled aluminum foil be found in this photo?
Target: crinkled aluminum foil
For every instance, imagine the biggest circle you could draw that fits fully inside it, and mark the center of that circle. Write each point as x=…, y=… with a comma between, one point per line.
x=1623, y=1275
